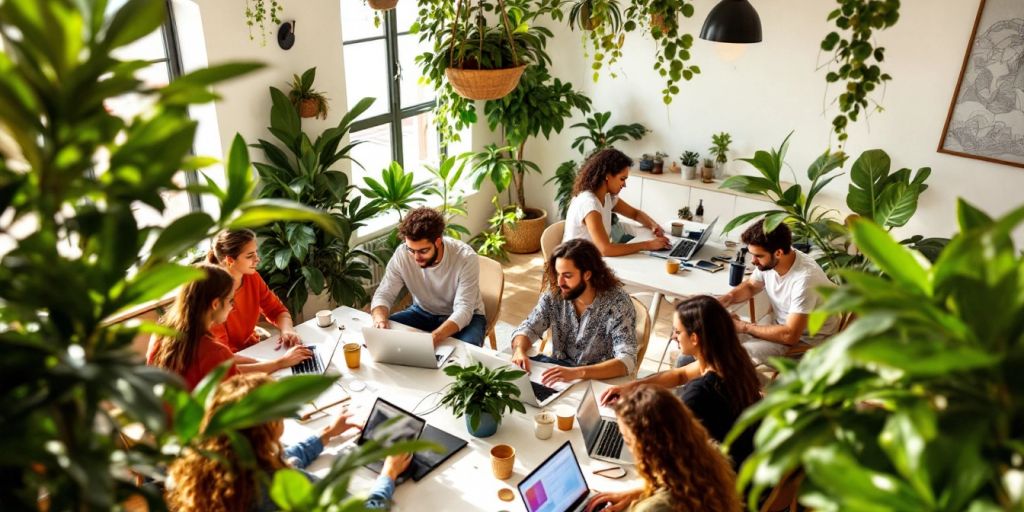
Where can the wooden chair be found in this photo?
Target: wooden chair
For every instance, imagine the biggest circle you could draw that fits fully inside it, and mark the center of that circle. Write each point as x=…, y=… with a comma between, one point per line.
x=551, y=237
x=644, y=327
x=492, y=287
x=797, y=351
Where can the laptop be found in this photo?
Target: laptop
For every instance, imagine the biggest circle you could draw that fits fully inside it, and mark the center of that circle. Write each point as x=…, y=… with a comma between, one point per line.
x=601, y=434
x=407, y=348
x=531, y=391
x=315, y=364
x=407, y=426
x=686, y=248
x=557, y=485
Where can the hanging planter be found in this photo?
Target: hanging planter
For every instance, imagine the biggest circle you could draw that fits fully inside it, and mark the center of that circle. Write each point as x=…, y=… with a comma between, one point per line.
x=382, y=5
x=470, y=77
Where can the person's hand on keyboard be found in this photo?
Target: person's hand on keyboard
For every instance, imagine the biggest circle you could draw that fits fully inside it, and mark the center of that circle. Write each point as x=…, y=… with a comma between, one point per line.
x=294, y=356
x=657, y=243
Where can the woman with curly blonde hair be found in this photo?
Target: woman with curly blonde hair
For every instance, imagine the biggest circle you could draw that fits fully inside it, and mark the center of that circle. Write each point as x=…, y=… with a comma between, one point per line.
x=199, y=482
x=681, y=469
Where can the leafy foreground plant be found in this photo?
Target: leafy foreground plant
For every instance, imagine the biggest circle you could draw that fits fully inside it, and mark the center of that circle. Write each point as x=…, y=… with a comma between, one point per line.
x=300, y=257
x=916, y=406
x=77, y=255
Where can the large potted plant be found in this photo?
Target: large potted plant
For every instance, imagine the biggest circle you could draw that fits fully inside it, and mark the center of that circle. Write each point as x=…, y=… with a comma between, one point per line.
x=298, y=257
x=916, y=406
x=308, y=101
x=481, y=395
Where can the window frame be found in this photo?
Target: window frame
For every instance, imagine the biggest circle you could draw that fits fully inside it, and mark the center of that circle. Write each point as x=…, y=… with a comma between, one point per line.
x=395, y=114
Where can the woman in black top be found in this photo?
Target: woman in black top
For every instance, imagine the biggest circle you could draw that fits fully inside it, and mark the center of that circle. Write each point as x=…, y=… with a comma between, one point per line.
x=720, y=383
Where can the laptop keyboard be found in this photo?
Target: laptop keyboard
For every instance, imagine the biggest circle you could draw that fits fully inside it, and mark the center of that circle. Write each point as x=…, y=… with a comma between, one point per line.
x=310, y=364
x=611, y=440
x=541, y=391
x=683, y=248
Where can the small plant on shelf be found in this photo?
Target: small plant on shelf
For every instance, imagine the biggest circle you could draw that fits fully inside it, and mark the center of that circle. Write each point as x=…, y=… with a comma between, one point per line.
x=689, y=159
x=720, y=147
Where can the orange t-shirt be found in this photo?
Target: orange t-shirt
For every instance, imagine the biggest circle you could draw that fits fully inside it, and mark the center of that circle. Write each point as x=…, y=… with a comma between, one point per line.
x=210, y=354
x=252, y=298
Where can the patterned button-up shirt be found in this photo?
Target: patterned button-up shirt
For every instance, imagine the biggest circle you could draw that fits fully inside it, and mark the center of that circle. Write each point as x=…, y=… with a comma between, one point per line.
x=606, y=329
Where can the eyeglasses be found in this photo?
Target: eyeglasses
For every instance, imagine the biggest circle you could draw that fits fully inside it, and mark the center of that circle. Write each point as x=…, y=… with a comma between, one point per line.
x=422, y=252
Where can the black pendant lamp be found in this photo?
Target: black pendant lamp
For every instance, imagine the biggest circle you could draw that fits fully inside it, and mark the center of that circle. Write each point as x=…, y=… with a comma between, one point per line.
x=732, y=21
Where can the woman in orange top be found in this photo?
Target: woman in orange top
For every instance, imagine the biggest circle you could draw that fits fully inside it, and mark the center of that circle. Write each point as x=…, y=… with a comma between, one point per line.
x=194, y=351
x=235, y=252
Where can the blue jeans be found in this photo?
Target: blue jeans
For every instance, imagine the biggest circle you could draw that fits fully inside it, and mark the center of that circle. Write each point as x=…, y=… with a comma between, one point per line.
x=414, y=316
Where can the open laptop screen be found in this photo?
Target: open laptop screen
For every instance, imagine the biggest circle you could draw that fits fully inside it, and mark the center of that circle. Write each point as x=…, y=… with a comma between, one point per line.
x=405, y=428
x=557, y=485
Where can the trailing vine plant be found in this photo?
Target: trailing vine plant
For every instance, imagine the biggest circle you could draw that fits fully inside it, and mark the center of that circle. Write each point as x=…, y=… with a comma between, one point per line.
x=603, y=31
x=661, y=17
x=258, y=12
x=855, y=57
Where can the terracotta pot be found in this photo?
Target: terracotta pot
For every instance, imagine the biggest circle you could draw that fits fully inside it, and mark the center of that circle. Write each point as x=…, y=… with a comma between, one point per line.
x=524, y=236
x=307, y=108
x=659, y=167
x=382, y=5
x=484, y=84
x=707, y=174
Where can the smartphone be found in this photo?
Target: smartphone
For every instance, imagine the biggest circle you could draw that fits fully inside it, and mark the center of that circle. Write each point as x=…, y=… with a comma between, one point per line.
x=707, y=266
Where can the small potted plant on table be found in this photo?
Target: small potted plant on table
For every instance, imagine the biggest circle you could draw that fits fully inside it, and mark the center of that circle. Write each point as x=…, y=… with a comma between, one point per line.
x=481, y=395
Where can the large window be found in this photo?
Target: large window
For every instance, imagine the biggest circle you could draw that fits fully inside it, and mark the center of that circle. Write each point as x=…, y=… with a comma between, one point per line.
x=380, y=63
x=160, y=50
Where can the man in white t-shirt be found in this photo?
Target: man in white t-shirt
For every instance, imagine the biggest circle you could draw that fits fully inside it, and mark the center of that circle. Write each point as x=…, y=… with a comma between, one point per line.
x=790, y=279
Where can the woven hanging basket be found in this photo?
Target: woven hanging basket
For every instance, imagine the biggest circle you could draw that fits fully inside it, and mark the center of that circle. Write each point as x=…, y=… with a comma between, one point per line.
x=523, y=237
x=382, y=5
x=307, y=108
x=484, y=84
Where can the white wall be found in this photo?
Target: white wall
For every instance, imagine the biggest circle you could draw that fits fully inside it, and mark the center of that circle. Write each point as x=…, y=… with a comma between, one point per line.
x=775, y=88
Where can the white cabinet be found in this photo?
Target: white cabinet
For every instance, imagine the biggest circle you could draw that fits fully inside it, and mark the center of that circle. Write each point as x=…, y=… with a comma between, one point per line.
x=662, y=201
x=716, y=204
x=633, y=194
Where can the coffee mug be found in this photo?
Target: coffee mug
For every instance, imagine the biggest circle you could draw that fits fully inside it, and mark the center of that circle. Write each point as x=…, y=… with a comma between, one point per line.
x=677, y=228
x=503, y=458
x=543, y=425
x=566, y=416
x=352, y=353
x=671, y=265
x=736, y=273
x=324, y=318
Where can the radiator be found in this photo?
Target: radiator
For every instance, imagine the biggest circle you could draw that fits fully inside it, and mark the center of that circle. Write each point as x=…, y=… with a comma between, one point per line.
x=376, y=269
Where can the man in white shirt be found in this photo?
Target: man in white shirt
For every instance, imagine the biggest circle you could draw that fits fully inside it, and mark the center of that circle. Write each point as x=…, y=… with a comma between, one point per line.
x=790, y=279
x=443, y=276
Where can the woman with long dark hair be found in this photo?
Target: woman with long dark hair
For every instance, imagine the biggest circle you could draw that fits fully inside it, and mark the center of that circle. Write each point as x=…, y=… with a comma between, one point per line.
x=681, y=471
x=193, y=351
x=213, y=479
x=720, y=383
x=596, y=196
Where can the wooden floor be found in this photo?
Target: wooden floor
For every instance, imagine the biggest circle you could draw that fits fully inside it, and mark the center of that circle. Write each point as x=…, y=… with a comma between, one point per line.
x=522, y=289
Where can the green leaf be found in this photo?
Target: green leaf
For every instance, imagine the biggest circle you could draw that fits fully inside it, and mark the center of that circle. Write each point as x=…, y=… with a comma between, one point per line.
x=260, y=212
x=894, y=259
x=867, y=177
x=291, y=490
x=907, y=433
x=271, y=401
x=133, y=21
x=855, y=487
x=181, y=234
x=239, y=176
x=154, y=282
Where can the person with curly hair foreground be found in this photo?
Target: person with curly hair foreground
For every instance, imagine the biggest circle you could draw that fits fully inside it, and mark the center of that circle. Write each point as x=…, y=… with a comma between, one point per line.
x=682, y=471
x=199, y=482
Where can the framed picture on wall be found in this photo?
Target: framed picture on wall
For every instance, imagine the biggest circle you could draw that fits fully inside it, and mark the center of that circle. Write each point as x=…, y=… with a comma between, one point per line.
x=986, y=115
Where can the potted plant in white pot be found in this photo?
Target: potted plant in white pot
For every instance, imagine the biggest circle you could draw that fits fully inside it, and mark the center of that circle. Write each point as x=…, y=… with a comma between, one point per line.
x=689, y=159
x=482, y=395
x=720, y=149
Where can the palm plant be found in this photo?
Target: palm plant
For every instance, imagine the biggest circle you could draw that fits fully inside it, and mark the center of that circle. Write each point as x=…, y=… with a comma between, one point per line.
x=720, y=147
x=299, y=257
x=446, y=186
x=914, y=406
x=599, y=138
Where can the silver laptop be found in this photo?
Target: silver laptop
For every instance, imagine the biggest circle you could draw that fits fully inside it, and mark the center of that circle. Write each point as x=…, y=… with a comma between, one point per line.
x=557, y=485
x=531, y=391
x=604, y=441
x=314, y=363
x=407, y=348
x=686, y=248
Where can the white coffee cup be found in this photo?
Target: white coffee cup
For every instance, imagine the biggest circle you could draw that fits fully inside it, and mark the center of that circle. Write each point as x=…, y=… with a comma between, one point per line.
x=324, y=318
x=544, y=425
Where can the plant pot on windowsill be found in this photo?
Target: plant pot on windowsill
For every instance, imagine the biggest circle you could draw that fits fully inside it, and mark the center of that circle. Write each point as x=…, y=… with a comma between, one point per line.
x=523, y=237
x=382, y=5
x=484, y=84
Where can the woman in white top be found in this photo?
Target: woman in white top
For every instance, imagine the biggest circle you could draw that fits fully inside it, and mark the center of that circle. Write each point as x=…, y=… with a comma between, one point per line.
x=595, y=197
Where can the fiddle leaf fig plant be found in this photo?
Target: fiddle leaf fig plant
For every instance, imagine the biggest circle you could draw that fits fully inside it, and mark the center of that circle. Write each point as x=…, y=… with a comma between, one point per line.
x=916, y=405
x=855, y=58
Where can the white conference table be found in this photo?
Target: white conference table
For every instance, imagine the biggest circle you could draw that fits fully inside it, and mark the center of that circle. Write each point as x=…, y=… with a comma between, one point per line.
x=464, y=481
